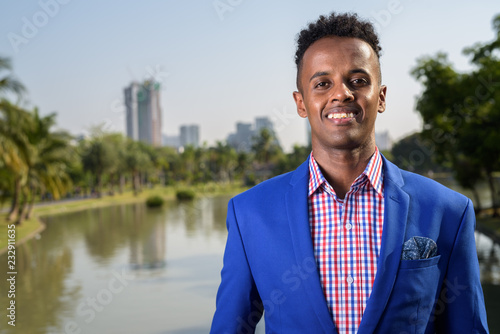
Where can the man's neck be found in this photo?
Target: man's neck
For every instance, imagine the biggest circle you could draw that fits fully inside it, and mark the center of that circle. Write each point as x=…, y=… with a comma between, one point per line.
x=341, y=167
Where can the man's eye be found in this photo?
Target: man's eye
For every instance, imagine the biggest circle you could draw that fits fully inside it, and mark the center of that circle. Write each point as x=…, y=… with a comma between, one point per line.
x=322, y=84
x=360, y=81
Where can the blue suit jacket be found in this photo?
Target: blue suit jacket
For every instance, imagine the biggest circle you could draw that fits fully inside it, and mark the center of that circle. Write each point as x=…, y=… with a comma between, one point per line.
x=269, y=262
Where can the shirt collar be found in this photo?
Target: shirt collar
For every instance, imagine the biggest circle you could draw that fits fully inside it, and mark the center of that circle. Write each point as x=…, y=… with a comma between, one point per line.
x=373, y=171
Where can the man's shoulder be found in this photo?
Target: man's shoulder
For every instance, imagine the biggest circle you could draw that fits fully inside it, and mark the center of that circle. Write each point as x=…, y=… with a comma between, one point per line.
x=274, y=189
x=267, y=189
x=431, y=191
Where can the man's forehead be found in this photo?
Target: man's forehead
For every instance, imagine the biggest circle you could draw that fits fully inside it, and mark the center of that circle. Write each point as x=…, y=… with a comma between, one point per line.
x=352, y=49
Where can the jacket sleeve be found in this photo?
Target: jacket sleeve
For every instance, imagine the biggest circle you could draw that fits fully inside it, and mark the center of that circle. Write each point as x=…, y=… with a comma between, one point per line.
x=460, y=307
x=238, y=306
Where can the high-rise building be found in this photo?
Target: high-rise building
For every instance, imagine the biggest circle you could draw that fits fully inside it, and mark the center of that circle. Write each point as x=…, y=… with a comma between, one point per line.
x=142, y=102
x=171, y=141
x=190, y=135
x=383, y=140
x=243, y=138
x=263, y=123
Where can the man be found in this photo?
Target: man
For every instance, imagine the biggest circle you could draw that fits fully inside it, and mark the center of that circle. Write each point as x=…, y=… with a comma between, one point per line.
x=348, y=243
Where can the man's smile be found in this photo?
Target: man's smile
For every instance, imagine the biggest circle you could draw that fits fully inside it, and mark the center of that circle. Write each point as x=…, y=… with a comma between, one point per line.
x=342, y=115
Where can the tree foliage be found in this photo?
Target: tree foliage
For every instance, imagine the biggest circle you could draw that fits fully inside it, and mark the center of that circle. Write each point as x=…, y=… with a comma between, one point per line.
x=461, y=111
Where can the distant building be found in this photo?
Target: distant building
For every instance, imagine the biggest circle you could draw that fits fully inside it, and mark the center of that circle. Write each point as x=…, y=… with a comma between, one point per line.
x=383, y=140
x=263, y=123
x=242, y=139
x=189, y=135
x=142, y=103
x=171, y=141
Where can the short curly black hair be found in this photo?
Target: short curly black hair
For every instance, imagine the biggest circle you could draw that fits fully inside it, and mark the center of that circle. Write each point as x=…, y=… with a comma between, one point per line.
x=341, y=25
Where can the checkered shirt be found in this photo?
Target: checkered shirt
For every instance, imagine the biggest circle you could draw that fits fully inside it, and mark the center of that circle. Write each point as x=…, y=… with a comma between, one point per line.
x=346, y=236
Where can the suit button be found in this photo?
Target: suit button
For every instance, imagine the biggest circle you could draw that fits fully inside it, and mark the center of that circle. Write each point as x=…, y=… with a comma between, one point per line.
x=350, y=279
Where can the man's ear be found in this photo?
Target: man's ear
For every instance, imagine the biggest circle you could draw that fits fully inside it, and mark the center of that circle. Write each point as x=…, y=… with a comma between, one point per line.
x=299, y=101
x=381, y=99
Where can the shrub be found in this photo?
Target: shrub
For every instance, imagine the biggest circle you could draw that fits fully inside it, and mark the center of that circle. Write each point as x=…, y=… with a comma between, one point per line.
x=154, y=201
x=185, y=194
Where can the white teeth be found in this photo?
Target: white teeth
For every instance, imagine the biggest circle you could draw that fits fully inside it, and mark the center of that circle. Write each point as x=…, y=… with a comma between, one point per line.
x=341, y=115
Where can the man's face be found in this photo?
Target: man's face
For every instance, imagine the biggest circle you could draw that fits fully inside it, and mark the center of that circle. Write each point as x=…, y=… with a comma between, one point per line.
x=340, y=93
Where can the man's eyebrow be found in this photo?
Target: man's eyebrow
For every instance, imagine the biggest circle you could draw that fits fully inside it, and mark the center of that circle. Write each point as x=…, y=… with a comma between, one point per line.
x=359, y=70
x=318, y=74
x=354, y=71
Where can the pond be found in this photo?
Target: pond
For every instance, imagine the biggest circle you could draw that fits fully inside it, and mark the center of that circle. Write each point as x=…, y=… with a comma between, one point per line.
x=129, y=269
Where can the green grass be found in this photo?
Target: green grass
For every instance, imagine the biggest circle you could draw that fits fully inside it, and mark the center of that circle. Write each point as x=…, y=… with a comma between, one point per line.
x=28, y=227
x=22, y=231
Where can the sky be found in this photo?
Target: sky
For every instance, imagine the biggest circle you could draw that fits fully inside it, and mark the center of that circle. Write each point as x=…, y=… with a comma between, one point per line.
x=219, y=61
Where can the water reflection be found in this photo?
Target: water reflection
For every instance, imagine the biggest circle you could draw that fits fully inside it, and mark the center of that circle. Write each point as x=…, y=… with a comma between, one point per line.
x=129, y=269
x=42, y=292
x=489, y=259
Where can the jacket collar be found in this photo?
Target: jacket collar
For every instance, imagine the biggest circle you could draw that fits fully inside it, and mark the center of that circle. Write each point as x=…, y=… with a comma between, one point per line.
x=395, y=217
x=373, y=173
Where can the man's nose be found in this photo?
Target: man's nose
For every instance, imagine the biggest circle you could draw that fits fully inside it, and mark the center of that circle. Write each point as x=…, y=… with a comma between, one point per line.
x=341, y=93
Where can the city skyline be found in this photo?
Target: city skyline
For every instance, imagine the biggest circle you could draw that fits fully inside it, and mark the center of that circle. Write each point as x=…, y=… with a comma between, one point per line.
x=217, y=64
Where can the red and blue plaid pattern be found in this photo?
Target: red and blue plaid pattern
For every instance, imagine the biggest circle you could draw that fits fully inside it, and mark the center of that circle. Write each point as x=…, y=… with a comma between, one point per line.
x=346, y=236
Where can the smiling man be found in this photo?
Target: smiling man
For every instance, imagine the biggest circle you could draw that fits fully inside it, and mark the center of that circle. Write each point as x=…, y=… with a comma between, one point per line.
x=348, y=242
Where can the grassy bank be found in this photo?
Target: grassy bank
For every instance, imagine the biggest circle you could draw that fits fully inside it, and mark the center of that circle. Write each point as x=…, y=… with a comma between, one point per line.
x=33, y=226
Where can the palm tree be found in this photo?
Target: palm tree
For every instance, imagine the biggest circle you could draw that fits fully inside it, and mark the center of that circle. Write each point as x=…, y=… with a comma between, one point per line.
x=266, y=147
x=7, y=82
x=15, y=149
x=48, y=168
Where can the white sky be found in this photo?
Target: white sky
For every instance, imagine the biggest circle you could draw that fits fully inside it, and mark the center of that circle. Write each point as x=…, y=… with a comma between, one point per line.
x=216, y=68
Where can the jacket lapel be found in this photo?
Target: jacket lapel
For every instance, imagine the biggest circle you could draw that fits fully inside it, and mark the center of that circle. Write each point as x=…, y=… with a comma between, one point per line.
x=298, y=216
x=395, y=218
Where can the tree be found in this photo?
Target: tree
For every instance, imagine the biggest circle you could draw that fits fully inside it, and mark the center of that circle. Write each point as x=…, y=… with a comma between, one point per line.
x=15, y=150
x=118, y=168
x=267, y=154
x=292, y=160
x=35, y=156
x=461, y=111
x=415, y=153
x=136, y=160
x=266, y=147
x=225, y=161
x=98, y=157
x=48, y=166
x=8, y=83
